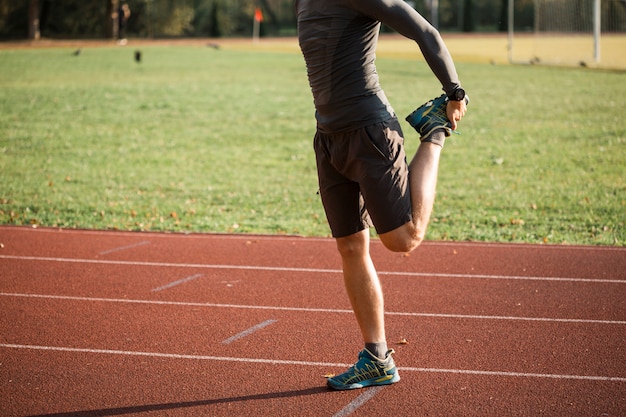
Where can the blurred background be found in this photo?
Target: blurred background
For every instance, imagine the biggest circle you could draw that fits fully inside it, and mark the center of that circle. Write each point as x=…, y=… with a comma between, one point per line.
x=233, y=18
x=588, y=33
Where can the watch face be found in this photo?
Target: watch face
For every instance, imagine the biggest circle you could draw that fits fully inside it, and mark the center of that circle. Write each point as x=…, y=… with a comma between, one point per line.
x=459, y=94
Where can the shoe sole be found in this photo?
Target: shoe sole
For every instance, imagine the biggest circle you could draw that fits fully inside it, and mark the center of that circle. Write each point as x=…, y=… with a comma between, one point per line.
x=414, y=119
x=388, y=380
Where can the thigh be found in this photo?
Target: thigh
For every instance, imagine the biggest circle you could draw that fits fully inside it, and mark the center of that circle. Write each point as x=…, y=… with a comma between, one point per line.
x=341, y=196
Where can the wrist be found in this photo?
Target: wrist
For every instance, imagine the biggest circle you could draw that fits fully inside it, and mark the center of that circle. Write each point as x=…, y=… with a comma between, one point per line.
x=458, y=94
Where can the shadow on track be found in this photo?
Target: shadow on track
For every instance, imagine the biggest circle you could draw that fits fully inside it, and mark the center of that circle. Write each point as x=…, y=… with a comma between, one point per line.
x=118, y=411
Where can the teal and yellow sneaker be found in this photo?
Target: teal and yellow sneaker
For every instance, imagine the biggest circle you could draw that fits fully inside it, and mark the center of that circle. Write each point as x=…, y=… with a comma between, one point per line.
x=431, y=116
x=368, y=371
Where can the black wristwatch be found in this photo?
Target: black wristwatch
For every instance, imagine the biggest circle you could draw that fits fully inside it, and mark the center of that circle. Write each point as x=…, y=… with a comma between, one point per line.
x=457, y=95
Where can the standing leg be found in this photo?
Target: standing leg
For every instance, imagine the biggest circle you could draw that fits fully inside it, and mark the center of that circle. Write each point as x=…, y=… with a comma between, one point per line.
x=362, y=285
x=375, y=365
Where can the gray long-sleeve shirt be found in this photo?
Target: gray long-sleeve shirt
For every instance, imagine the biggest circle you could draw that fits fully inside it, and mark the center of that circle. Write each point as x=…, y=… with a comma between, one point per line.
x=338, y=39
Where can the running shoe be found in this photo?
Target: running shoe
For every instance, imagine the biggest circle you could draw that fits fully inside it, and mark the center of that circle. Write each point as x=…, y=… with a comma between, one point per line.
x=431, y=116
x=369, y=370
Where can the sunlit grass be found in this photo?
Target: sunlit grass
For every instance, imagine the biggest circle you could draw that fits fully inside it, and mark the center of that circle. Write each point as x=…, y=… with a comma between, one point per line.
x=206, y=140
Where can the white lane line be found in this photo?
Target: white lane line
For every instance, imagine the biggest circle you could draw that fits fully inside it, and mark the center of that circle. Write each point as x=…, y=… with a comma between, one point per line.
x=308, y=270
x=178, y=282
x=307, y=363
x=307, y=310
x=514, y=374
x=171, y=355
x=248, y=332
x=358, y=402
x=122, y=248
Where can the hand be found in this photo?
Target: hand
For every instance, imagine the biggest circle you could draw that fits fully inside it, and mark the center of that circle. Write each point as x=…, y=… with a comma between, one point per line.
x=455, y=110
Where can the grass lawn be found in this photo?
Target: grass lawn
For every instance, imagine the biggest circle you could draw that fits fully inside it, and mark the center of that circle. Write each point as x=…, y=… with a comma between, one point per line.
x=195, y=139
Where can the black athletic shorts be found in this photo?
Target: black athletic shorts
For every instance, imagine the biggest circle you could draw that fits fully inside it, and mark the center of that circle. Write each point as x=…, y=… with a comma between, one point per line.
x=364, y=178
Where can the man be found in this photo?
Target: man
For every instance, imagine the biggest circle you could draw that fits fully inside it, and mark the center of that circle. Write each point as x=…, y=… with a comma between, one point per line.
x=363, y=175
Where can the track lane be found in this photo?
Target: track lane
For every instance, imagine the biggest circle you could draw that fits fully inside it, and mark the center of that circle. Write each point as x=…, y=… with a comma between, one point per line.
x=142, y=384
x=478, y=344
x=454, y=364
x=467, y=295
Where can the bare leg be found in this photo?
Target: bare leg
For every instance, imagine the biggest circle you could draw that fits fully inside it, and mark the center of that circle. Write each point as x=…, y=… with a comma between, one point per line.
x=362, y=285
x=360, y=277
x=423, y=171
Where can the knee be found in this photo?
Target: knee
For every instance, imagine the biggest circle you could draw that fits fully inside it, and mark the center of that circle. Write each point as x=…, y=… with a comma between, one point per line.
x=350, y=246
x=403, y=246
x=403, y=240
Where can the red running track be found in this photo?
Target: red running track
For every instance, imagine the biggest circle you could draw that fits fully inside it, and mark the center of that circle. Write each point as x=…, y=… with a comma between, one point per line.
x=109, y=323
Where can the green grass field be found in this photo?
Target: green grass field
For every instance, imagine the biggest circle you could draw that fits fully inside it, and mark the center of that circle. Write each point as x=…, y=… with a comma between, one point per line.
x=194, y=139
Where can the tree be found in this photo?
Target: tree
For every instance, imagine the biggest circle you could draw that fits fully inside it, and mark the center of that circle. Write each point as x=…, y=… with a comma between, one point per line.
x=110, y=19
x=215, y=27
x=503, y=22
x=33, y=20
x=468, y=16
